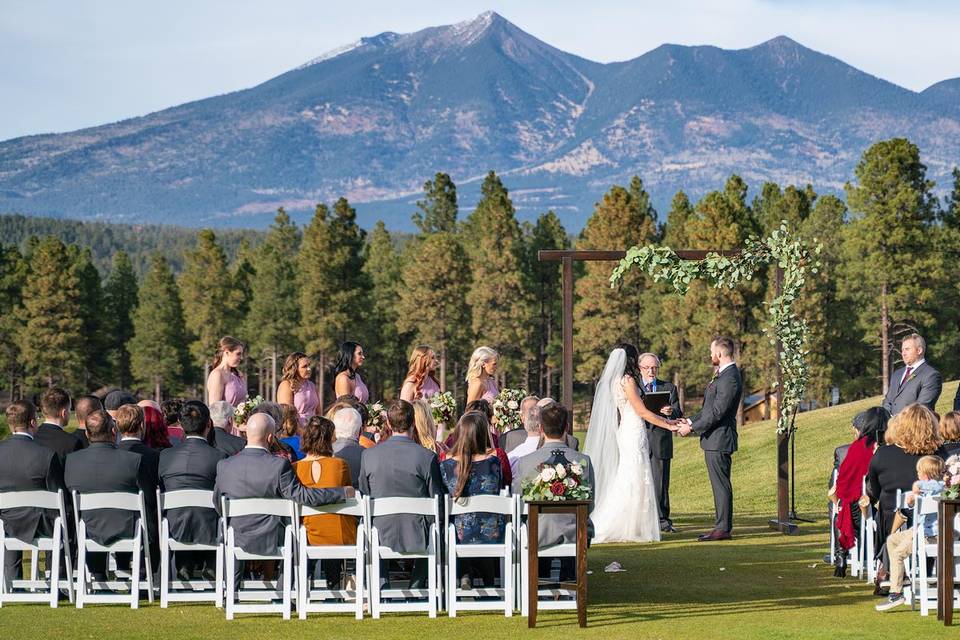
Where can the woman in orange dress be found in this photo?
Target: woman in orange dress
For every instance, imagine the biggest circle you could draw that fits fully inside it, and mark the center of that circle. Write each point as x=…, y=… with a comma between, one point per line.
x=320, y=470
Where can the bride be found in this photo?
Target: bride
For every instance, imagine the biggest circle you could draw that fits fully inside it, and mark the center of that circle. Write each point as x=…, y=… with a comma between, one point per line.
x=625, y=507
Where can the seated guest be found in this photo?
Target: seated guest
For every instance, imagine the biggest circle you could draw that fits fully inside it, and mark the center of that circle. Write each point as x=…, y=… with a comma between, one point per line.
x=84, y=406
x=425, y=430
x=554, y=529
x=950, y=433
x=568, y=437
x=471, y=470
x=894, y=466
x=129, y=420
x=26, y=466
x=103, y=467
x=530, y=415
x=277, y=447
x=320, y=469
x=155, y=433
x=255, y=473
x=346, y=424
x=171, y=415
x=55, y=405
x=192, y=465
x=221, y=414
x=289, y=431
x=399, y=467
x=868, y=427
x=510, y=440
x=116, y=399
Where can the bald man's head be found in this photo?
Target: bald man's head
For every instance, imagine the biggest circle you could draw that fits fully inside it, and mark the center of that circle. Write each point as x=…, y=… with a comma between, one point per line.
x=260, y=429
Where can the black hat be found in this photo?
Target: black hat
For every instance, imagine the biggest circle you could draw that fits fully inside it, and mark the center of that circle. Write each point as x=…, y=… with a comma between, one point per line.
x=117, y=398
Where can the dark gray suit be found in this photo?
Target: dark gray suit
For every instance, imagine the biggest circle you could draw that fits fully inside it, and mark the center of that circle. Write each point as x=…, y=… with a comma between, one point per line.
x=255, y=473
x=27, y=466
x=661, y=450
x=553, y=529
x=515, y=437
x=716, y=424
x=191, y=465
x=350, y=451
x=227, y=442
x=53, y=436
x=399, y=467
x=923, y=386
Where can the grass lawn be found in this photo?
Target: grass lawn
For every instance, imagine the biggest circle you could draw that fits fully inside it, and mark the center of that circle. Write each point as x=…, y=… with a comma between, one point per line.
x=760, y=585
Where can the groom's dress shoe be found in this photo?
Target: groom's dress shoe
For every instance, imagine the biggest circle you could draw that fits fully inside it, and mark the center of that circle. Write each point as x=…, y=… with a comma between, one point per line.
x=714, y=536
x=667, y=528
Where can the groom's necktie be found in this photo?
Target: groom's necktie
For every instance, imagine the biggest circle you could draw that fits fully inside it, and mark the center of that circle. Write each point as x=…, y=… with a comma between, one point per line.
x=906, y=374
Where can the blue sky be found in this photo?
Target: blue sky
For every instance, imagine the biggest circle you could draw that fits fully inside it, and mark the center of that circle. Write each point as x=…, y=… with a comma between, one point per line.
x=68, y=65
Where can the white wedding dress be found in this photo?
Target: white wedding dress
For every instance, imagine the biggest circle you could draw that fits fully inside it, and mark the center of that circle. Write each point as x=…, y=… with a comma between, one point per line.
x=625, y=507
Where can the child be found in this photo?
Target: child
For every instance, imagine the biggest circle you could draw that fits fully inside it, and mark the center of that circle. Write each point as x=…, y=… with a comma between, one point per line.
x=900, y=543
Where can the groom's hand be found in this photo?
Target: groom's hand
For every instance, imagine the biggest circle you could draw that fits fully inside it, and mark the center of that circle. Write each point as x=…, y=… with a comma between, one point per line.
x=686, y=428
x=666, y=410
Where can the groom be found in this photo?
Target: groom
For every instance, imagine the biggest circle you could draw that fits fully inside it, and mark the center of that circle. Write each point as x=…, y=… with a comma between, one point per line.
x=716, y=424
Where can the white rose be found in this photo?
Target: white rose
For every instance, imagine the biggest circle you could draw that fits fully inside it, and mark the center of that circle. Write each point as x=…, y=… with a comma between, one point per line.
x=513, y=405
x=561, y=472
x=570, y=482
x=548, y=474
x=576, y=469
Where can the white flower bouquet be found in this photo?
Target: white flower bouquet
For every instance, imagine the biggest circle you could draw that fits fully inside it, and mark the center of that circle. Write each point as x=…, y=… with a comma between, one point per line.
x=506, y=409
x=444, y=408
x=243, y=411
x=951, y=478
x=378, y=415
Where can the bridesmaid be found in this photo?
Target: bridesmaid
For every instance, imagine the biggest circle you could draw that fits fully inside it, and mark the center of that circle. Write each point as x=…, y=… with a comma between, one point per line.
x=296, y=388
x=421, y=381
x=224, y=381
x=480, y=372
x=347, y=382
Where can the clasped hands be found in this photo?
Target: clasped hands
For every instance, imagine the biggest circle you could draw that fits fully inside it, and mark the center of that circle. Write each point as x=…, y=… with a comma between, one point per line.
x=681, y=426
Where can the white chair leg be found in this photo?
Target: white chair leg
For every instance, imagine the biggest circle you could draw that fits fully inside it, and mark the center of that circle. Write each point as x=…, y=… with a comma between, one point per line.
x=432, y=581
x=218, y=574
x=507, y=565
x=164, y=571
x=3, y=555
x=375, y=577
x=303, y=586
x=81, y=589
x=451, y=574
x=287, y=573
x=135, y=576
x=359, y=583
x=55, y=569
x=231, y=574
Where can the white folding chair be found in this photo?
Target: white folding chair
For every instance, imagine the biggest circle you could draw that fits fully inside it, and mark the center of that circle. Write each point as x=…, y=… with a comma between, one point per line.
x=831, y=514
x=310, y=598
x=866, y=549
x=925, y=585
x=36, y=589
x=265, y=592
x=504, y=596
x=383, y=600
x=193, y=590
x=138, y=546
x=557, y=598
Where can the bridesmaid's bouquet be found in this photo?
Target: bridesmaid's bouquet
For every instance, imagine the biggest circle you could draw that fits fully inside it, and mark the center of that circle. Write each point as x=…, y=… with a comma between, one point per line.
x=377, y=413
x=243, y=411
x=444, y=408
x=506, y=409
x=951, y=478
x=556, y=482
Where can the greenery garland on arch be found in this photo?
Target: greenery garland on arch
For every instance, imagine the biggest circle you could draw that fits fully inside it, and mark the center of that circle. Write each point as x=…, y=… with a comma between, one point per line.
x=780, y=248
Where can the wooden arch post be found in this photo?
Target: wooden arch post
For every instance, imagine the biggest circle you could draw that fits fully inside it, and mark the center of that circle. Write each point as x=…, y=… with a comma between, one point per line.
x=566, y=258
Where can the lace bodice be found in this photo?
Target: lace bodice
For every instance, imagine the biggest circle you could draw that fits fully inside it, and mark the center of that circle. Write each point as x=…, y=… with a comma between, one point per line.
x=623, y=405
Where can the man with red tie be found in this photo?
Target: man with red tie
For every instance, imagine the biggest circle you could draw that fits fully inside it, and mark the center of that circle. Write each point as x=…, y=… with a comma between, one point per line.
x=916, y=382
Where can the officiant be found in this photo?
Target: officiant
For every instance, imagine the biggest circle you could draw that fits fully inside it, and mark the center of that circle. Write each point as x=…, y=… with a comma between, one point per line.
x=661, y=440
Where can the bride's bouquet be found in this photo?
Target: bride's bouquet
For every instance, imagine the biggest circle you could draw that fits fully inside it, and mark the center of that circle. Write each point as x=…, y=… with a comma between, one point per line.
x=556, y=481
x=245, y=409
x=506, y=409
x=444, y=408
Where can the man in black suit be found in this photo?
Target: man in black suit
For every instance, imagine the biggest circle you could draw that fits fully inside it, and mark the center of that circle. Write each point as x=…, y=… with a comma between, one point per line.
x=84, y=406
x=103, y=467
x=221, y=414
x=716, y=424
x=26, y=466
x=55, y=405
x=129, y=419
x=660, y=440
x=192, y=465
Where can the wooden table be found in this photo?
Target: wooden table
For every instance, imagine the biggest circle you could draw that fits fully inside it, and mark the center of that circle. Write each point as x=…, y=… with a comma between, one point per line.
x=945, y=560
x=579, y=508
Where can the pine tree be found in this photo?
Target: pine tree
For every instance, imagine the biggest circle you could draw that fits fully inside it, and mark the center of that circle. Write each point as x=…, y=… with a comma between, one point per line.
x=500, y=304
x=242, y=270
x=272, y=323
x=605, y=316
x=51, y=338
x=545, y=283
x=96, y=326
x=888, y=262
x=13, y=274
x=388, y=350
x=120, y=297
x=210, y=300
x=438, y=209
x=950, y=214
x=159, y=358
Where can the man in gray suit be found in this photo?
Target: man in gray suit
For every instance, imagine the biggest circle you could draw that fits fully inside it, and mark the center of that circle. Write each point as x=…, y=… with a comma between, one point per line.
x=716, y=424
x=661, y=440
x=554, y=529
x=399, y=467
x=347, y=424
x=916, y=381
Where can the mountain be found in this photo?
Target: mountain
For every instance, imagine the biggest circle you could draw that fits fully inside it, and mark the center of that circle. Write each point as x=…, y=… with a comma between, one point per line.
x=374, y=119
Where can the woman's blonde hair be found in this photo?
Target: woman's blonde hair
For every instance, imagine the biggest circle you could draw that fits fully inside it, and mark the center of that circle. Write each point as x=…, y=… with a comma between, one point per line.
x=480, y=355
x=950, y=426
x=931, y=466
x=291, y=370
x=418, y=367
x=426, y=429
x=915, y=430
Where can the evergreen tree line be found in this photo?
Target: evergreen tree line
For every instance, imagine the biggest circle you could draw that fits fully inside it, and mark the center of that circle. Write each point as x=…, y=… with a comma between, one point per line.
x=889, y=267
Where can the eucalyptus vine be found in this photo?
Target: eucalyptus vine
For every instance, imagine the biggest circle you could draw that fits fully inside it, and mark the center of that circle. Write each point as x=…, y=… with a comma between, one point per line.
x=786, y=327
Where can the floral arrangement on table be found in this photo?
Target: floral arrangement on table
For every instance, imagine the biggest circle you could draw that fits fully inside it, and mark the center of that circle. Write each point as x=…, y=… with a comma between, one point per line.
x=444, y=408
x=556, y=481
x=506, y=409
x=244, y=410
x=377, y=415
x=951, y=478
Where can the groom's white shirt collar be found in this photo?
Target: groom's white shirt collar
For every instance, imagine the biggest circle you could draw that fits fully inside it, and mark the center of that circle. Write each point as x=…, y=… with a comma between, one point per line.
x=729, y=364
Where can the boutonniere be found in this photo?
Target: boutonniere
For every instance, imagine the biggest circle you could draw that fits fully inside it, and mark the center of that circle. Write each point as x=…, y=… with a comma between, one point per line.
x=911, y=377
